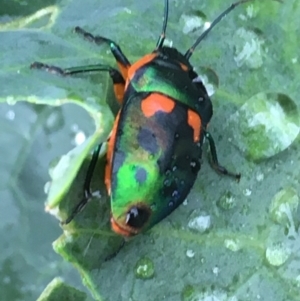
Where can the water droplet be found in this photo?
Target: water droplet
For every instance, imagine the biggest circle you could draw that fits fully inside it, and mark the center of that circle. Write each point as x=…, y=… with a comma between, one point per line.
x=176, y=135
x=167, y=183
x=248, y=48
x=168, y=43
x=171, y=204
x=153, y=207
x=74, y=128
x=277, y=255
x=54, y=121
x=283, y=204
x=144, y=268
x=79, y=138
x=10, y=100
x=47, y=187
x=260, y=177
x=192, y=22
x=175, y=194
x=174, y=168
x=216, y=271
x=232, y=244
x=227, y=201
x=127, y=10
x=209, y=78
x=251, y=11
x=10, y=115
x=168, y=172
x=247, y=192
x=268, y=123
x=190, y=253
x=200, y=223
x=195, y=166
x=185, y=202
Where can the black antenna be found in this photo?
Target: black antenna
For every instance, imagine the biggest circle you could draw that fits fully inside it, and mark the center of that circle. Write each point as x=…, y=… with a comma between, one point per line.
x=190, y=51
x=163, y=32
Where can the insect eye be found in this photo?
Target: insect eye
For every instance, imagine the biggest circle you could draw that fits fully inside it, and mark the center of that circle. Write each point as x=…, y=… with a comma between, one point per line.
x=137, y=217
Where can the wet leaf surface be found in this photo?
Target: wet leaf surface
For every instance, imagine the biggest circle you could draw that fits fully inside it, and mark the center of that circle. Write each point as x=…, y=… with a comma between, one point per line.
x=250, y=249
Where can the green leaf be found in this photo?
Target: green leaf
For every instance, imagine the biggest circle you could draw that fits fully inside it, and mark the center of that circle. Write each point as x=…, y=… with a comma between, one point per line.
x=227, y=241
x=58, y=290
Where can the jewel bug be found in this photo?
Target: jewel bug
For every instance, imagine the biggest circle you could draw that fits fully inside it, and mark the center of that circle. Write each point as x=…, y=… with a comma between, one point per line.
x=155, y=147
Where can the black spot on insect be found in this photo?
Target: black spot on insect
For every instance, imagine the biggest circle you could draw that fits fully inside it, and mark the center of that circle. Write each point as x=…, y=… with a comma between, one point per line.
x=137, y=217
x=141, y=175
x=147, y=140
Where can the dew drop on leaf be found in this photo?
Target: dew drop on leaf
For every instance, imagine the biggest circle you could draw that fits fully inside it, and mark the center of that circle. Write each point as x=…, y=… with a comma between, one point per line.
x=144, y=268
x=265, y=125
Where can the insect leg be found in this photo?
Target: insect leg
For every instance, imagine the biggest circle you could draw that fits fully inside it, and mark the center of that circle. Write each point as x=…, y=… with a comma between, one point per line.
x=117, y=78
x=86, y=187
x=120, y=57
x=215, y=163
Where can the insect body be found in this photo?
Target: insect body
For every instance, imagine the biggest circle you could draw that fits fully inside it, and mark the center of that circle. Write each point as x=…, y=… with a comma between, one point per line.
x=155, y=146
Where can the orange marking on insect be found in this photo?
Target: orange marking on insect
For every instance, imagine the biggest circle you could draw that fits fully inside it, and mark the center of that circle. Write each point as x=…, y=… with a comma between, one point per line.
x=194, y=122
x=155, y=103
x=124, y=69
x=140, y=63
x=126, y=231
x=119, y=92
x=184, y=67
x=110, y=150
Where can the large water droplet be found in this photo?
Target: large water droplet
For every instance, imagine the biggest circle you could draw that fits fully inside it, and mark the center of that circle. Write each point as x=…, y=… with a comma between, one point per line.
x=232, y=244
x=248, y=48
x=144, y=268
x=192, y=22
x=277, y=255
x=227, y=201
x=200, y=223
x=265, y=125
x=282, y=207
